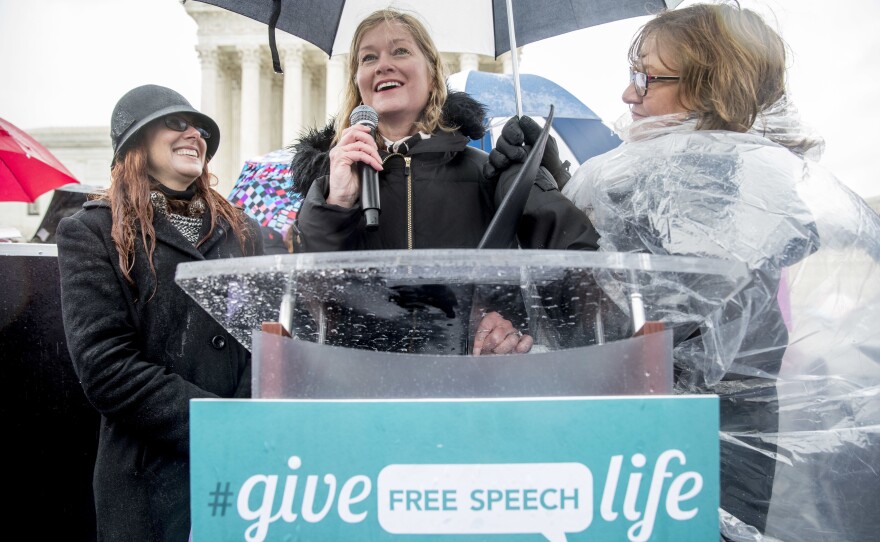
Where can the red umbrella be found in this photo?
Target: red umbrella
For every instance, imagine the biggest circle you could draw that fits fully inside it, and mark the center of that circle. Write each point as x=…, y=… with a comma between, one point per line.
x=27, y=169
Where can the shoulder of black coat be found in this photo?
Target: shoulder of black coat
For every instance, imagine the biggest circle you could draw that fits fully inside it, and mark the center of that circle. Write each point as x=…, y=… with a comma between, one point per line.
x=310, y=156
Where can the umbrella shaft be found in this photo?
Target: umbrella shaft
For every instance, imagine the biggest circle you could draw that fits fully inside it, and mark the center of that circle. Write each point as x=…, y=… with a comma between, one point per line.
x=514, y=60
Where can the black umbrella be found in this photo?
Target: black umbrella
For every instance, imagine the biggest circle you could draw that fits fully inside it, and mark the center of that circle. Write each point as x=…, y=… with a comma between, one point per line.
x=66, y=201
x=465, y=26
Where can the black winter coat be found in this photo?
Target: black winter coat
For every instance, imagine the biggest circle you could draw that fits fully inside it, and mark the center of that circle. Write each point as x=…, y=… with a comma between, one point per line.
x=141, y=356
x=434, y=197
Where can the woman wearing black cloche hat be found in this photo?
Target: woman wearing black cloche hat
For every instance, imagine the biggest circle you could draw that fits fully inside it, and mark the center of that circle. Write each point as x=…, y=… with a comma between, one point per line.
x=141, y=347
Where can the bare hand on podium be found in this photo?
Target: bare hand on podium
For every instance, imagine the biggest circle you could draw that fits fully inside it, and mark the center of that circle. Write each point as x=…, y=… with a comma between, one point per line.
x=496, y=335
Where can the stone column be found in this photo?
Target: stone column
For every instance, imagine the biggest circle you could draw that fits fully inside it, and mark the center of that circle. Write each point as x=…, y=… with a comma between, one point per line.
x=310, y=118
x=250, y=103
x=468, y=61
x=215, y=104
x=507, y=60
x=276, y=111
x=292, y=97
x=267, y=107
x=335, y=83
x=209, y=59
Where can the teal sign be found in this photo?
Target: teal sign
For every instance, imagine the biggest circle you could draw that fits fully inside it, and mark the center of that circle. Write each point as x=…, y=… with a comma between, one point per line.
x=642, y=468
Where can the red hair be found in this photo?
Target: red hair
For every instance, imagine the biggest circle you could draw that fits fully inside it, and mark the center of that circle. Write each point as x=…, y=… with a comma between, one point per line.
x=130, y=206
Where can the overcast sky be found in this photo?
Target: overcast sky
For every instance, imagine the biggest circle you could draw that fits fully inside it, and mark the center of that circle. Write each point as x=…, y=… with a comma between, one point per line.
x=66, y=62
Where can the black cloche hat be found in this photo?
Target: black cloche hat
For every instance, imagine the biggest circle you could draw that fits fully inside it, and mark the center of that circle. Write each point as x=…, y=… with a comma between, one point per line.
x=142, y=105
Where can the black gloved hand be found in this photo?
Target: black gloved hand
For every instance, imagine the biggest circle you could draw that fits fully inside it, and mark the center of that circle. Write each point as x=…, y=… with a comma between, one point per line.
x=517, y=138
x=508, y=149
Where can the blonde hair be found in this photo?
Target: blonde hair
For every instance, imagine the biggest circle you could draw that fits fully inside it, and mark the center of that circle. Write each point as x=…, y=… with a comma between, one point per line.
x=431, y=118
x=731, y=63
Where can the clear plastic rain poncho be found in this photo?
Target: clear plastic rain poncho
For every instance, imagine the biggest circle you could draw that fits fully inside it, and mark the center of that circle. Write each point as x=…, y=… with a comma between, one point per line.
x=795, y=356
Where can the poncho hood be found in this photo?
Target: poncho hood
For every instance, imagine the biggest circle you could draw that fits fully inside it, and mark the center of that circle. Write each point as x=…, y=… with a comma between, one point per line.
x=780, y=123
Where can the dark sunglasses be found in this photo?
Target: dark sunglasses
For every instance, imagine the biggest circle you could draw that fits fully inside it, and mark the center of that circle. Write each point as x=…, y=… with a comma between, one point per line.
x=179, y=124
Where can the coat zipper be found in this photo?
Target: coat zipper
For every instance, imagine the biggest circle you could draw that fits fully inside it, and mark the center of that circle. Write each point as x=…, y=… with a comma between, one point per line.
x=407, y=171
x=409, y=208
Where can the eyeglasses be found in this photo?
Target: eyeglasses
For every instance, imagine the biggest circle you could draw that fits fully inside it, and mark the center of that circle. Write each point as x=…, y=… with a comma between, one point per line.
x=640, y=80
x=179, y=124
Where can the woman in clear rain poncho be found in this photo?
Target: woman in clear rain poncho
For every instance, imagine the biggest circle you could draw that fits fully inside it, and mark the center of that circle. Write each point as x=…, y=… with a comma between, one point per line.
x=715, y=163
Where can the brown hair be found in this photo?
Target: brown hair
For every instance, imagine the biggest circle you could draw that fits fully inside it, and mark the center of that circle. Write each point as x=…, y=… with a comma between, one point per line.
x=731, y=63
x=130, y=206
x=431, y=118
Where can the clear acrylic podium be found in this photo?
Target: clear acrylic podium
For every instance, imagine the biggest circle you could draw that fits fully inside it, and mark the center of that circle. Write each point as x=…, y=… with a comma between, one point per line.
x=399, y=324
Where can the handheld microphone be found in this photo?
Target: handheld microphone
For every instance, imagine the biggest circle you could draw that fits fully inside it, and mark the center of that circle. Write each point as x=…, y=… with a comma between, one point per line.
x=366, y=115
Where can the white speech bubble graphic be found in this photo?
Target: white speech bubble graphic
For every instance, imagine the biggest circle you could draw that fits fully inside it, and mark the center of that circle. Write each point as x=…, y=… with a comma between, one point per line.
x=517, y=498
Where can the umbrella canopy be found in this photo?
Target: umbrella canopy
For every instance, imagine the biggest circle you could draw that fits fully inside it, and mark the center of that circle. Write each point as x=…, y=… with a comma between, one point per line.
x=27, y=169
x=461, y=26
x=464, y=26
x=578, y=131
x=262, y=191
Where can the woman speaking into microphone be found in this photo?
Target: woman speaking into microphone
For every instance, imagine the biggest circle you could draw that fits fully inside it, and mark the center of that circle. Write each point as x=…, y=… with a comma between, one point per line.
x=432, y=190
